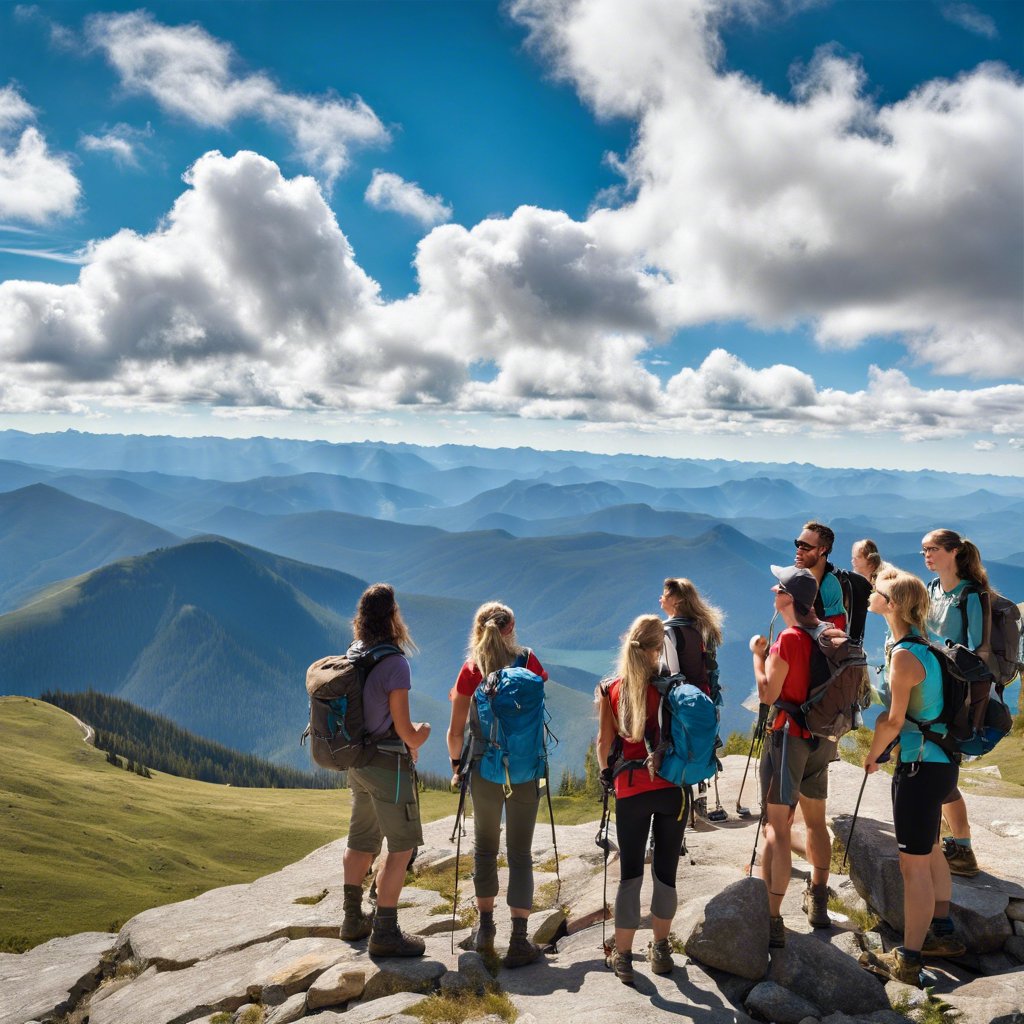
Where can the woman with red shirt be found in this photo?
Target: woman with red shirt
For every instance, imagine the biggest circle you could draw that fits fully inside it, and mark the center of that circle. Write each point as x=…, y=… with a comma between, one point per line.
x=629, y=710
x=493, y=646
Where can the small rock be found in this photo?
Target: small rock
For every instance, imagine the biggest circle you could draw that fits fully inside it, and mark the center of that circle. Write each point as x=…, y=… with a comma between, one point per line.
x=906, y=995
x=1018, y=927
x=298, y=975
x=1006, y=829
x=774, y=1003
x=545, y=925
x=473, y=968
x=402, y=975
x=248, y=1012
x=1015, y=910
x=453, y=984
x=292, y=1009
x=338, y=984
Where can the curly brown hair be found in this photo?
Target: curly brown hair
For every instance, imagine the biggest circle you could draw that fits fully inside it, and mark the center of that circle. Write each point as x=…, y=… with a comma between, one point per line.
x=379, y=620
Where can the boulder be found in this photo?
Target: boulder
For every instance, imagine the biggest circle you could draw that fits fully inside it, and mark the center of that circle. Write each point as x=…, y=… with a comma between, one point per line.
x=455, y=984
x=544, y=925
x=473, y=968
x=50, y=979
x=385, y=977
x=874, y=865
x=998, y=1000
x=980, y=917
x=813, y=969
x=774, y=1003
x=730, y=931
x=298, y=975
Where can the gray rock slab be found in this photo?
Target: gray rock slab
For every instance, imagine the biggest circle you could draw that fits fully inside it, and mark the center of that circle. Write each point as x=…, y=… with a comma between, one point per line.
x=291, y=1010
x=998, y=1000
x=774, y=1003
x=378, y=1009
x=221, y=983
x=816, y=971
x=49, y=979
x=396, y=974
x=730, y=932
x=980, y=917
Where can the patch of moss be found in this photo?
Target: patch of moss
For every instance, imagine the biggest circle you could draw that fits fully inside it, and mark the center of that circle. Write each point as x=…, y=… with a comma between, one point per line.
x=311, y=901
x=545, y=896
x=864, y=920
x=931, y=1010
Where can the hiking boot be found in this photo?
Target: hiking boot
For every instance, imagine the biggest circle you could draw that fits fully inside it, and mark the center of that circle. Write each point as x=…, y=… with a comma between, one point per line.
x=961, y=859
x=659, y=953
x=893, y=966
x=622, y=965
x=355, y=924
x=815, y=906
x=387, y=939
x=776, y=933
x=521, y=951
x=483, y=937
x=942, y=945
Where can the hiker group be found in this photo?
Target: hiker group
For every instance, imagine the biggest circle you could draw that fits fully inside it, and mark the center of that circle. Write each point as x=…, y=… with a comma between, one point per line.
x=951, y=648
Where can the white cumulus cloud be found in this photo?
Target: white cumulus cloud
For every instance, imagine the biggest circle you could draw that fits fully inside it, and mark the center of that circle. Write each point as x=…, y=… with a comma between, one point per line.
x=388, y=191
x=190, y=73
x=35, y=183
x=123, y=142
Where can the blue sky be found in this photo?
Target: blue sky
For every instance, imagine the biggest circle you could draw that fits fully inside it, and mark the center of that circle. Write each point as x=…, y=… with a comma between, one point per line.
x=734, y=229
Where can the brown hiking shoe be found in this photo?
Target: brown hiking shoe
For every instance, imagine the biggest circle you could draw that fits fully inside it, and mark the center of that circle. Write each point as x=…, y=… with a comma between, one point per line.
x=942, y=945
x=521, y=951
x=776, y=933
x=355, y=924
x=961, y=859
x=622, y=965
x=815, y=905
x=659, y=954
x=387, y=939
x=483, y=937
x=892, y=966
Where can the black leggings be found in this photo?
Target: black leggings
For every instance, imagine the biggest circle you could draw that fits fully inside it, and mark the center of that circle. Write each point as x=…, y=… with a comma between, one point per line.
x=633, y=817
x=918, y=790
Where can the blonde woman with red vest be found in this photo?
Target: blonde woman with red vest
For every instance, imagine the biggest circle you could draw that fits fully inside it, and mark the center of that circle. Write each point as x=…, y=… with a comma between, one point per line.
x=628, y=733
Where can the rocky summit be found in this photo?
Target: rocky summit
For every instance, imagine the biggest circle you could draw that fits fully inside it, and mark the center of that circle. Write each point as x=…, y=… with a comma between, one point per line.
x=269, y=952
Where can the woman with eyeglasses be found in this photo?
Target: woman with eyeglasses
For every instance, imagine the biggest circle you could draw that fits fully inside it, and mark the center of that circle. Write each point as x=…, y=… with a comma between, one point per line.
x=956, y=614
x=924, y=775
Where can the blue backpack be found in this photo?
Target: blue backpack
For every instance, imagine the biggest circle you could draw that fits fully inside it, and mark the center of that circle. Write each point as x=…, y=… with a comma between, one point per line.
x=689, y=731
x=509, y=725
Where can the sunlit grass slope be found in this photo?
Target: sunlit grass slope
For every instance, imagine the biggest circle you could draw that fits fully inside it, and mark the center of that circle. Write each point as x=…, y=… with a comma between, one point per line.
x=87, y=845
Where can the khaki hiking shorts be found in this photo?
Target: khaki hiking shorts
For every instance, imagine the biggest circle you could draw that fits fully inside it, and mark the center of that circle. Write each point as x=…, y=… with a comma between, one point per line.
x=806, y=768
x=384, y=806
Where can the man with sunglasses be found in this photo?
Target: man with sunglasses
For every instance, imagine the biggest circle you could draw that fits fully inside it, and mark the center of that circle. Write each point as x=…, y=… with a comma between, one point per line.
x=842, y=596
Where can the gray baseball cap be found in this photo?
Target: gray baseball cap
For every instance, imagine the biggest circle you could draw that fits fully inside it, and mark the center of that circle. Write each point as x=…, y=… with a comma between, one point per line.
x=799, y=583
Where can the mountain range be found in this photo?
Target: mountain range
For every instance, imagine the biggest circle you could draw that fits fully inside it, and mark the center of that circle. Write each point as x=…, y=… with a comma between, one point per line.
x=198, y=577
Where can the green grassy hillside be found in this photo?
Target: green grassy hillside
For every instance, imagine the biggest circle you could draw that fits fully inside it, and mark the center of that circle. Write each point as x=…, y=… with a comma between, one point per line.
x=87, y=845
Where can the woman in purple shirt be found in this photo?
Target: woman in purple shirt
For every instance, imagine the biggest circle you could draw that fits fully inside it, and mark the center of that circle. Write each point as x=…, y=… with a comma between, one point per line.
x=384, y=803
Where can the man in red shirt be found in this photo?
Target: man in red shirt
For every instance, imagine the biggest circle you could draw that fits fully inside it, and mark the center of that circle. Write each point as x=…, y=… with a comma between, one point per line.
x=794, y=765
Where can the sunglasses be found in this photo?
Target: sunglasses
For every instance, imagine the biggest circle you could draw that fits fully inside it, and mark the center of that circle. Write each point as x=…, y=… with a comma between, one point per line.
x=802, y=545
x=883, y=595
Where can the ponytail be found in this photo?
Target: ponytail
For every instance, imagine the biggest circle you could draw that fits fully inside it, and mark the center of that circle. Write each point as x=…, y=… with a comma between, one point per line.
x=638, y=664
x=968, y=557
x=492, y=644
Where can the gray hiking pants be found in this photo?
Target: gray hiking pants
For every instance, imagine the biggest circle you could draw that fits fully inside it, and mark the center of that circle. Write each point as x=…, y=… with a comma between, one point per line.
x=520, y=809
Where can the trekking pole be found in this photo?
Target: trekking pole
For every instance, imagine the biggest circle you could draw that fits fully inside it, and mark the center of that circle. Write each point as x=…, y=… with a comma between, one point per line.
x=756, y=737
x=554, y=841
x=882, y=758
x=605, y=844
x=458, y=831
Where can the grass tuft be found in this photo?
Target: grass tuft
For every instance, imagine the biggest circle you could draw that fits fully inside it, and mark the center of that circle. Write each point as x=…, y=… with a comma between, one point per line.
x=545, y=896
x=864, y=920
x=452, y=1009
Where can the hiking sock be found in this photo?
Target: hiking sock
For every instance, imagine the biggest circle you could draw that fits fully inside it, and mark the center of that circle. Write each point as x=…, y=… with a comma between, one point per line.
x=942, y=925
x=965, y=843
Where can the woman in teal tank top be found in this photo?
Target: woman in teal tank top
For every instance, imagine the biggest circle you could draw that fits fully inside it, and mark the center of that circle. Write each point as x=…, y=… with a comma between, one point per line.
x=922, y=778
x=960, y=578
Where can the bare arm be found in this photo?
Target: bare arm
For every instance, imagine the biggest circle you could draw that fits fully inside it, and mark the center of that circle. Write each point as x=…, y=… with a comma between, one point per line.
x=905, y=672
x=605, y=733
x=457, y=724
x=413, y=734
x=770, y=672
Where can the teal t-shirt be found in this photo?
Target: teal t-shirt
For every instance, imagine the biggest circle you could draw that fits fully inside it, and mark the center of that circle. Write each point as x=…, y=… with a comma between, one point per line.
x=925, y=703
x=945, y=619
x=831, y=595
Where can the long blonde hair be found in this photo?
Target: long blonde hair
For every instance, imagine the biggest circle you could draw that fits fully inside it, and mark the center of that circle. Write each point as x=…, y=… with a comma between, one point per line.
x=638, y=664
x=688, y=604
x=490, y=647
x=908, y=597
